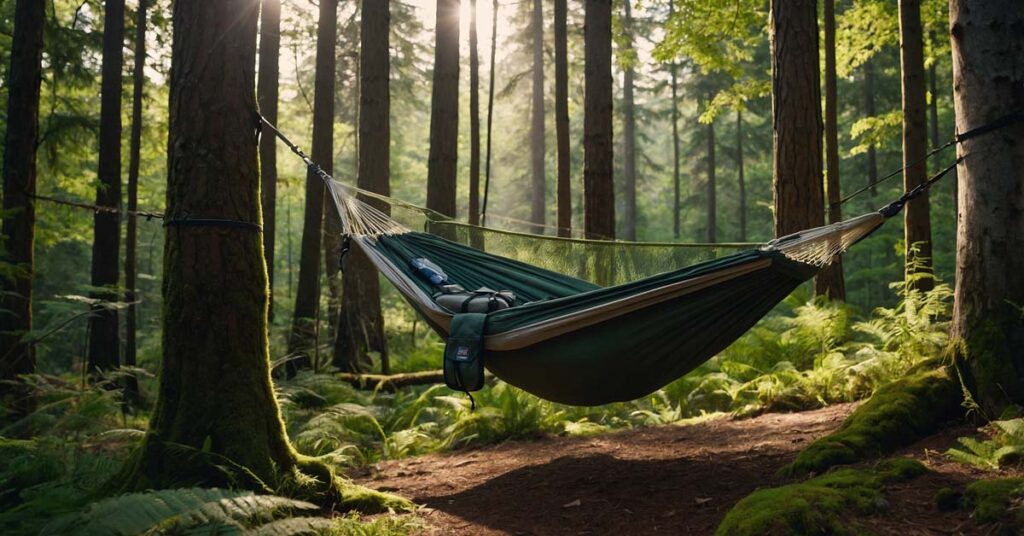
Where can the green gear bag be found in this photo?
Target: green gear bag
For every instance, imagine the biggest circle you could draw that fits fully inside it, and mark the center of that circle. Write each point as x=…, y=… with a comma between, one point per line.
x=464, y=353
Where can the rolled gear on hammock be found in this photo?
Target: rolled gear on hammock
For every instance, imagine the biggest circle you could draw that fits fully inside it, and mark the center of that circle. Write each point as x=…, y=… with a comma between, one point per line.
x=572, y=341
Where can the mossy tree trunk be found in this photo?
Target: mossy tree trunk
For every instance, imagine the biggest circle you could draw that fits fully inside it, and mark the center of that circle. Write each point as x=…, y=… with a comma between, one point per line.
x=988, y=324
x=360, y=330
x=741, y=179
x=564, y=184
x=598, y=185
x=19, y=214
x=538, y=179
x=305, y=325
x=916, y=215
x=796, y=125
x=711, y=188
x=444, y=111
x=676, y=201
x=131, y=240
x=215, y=396
x=266, y=95
x=830, y=281
x=474, y=118
x=104, y=335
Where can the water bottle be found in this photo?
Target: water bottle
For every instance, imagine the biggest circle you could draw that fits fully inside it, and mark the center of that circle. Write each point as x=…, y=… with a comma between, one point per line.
x=429, y=271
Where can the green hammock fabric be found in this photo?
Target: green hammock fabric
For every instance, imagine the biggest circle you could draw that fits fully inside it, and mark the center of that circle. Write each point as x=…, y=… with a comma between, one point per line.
x=622, y=358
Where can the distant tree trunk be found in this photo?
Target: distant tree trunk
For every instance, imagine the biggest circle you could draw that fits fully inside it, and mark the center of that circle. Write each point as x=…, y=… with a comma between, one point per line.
x=360, y=330
x=490, y=110
x=266, y=96
x=474, y=119
x=869, y=111
x=796, y=126
x=916, y=217
x=830, y=281
x=598, y=185
x=444, y=111
x=131, y=389
x=538, y=186
x=988, y=328
x=104, y=336
x=562, y=119
x=712, y=203
x=676, y=201
x=19, y=215
x=742, y=179
x=933, y=107
x=628, y=135
x=215, y=392
x=303, y=341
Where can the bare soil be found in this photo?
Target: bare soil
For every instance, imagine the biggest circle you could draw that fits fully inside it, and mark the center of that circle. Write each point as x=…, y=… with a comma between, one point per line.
x=659, y=480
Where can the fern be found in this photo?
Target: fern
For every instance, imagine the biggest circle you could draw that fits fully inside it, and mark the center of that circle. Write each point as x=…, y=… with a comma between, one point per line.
x=188, y=508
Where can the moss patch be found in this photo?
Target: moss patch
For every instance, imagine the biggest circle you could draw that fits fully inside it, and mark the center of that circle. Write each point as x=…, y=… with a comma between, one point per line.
x=896, y=415
x=821, y=505
x=997, y=500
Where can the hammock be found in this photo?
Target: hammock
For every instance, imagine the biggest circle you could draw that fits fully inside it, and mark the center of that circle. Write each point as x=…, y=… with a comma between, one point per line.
x=571, y=340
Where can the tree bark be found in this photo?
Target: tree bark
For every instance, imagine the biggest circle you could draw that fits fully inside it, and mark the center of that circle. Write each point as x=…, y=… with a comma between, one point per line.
x=104, y=336
x=444, y=111
x=360, y=332
x=869, y=111
x=474, y=118
x=830, y=281
x=988, y=74
x=712, y=203
x=628, y=135
x=490, y=111
x=303, y=342
x=598, y=185
x=17, y=355
x=796, y=116
x=538, y=186
x=562, y=119
x=131, y=388
x=676, y=201
x=215, y=394
x=742, y=182
x=266, y=96
x=916, y=217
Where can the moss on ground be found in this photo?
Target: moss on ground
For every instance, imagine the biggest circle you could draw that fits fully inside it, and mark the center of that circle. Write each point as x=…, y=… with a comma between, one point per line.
x=896, y=415
x=821, y=505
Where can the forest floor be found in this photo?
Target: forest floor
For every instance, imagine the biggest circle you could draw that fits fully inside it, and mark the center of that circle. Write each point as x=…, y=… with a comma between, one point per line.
x=665, y=480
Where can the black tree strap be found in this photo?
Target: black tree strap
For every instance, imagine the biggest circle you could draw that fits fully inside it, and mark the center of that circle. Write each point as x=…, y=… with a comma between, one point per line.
x=894, y=208
x=213, y=222
x=1002, y=122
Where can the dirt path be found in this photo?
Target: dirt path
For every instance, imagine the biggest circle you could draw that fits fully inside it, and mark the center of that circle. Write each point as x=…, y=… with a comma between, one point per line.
x=667, y=480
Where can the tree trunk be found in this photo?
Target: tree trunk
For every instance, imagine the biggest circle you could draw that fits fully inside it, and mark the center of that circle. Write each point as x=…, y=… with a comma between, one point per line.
x=869, y=111
x=676, y=201
x=538, y=185
x=830, y=281
x=628, y=135
x=474, y=119
x=988, y=73
x=742, y=179
x=796, y=126
x=266, y=96
x=215, y=394
x=17, y=355
x=490, y=111
x=917, y=224
x=444, y=111
x=131, y=389
x=360, y=332
x=562, y=119
x=712, y=203
x=303, y=343
x=933, y=107
x=104, y=336
x=598, y=185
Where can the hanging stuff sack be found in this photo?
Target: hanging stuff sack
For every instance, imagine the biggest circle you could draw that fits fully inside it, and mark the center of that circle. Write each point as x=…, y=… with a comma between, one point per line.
x=464, y=353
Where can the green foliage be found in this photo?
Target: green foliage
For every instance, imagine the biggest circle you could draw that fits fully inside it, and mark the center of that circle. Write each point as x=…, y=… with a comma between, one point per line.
x=821, y=505
x=896, y=415
x=1004, y=447
x=192, y=510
